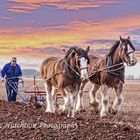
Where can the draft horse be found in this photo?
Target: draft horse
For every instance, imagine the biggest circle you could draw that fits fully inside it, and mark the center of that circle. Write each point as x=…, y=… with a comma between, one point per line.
x=65, y=76
x=108, y=72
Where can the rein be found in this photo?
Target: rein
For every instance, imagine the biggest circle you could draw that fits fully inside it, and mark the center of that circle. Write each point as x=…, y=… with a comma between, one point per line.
x=62, y=71
x=106, y=69
x=83, y=68
x=71, y=68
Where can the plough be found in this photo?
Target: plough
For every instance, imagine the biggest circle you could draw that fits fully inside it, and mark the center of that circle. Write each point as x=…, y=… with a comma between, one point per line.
x=35, y=94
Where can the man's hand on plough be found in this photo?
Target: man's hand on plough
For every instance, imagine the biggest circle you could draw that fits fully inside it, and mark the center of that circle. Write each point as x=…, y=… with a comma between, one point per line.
x=2, y=79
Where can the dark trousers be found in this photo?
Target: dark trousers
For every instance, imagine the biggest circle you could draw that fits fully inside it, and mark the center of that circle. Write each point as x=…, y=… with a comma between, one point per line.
x=11, y=89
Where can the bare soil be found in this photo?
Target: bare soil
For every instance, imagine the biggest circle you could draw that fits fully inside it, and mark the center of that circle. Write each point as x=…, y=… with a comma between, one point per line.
x=19, y=121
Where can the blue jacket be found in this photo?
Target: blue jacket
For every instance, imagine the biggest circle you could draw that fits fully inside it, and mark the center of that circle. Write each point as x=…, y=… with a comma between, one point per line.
x=8, y=71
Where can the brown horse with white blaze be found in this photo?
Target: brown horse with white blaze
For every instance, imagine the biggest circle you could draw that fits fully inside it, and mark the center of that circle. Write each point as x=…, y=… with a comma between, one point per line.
x=106, y=73
x=65, y=76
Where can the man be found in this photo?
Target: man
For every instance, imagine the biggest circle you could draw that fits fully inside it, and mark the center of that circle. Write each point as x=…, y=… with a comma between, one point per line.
x=11, y=72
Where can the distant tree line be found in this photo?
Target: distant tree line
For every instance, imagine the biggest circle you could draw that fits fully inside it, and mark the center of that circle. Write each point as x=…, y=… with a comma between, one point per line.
x=132, y=77
x=34, y=72
x=29, y=72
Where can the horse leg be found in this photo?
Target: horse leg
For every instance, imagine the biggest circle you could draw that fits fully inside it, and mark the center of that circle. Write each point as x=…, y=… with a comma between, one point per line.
x=48, y=89
x=54, y=93
x=93, y=99
x=80, y=105
x=65, y=96
x=105, y=101
x=118, y=99
x=72, y=104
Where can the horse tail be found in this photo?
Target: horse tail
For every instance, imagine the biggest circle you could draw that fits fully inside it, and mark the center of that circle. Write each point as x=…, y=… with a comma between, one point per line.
x=43, y=66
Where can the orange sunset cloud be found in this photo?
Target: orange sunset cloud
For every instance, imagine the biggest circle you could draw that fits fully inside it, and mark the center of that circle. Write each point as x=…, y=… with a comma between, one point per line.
x=76, y=32
x=23, y=8
x=26, y=6
x=29, y=31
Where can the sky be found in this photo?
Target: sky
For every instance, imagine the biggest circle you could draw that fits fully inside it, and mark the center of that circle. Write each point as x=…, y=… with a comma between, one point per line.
x=36, y=29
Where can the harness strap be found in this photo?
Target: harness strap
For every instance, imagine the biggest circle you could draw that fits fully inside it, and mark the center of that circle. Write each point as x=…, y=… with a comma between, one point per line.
x=72, y=68
x=83, y=68
x=107, y=69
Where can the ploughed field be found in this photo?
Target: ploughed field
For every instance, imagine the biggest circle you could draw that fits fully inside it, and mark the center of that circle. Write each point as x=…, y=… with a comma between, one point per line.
x=23, y=121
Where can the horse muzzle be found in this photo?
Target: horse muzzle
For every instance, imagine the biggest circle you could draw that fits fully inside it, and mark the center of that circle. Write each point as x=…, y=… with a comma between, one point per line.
x=84, y=77
x=84, y=74
x=132, y=62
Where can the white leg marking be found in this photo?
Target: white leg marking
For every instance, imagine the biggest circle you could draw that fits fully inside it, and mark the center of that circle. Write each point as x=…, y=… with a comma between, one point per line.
x=48, y=98
x=72, y=105
x=80, y=104
x=117, y=103
x=66, y=103
x=93, y=99
x=104, y=110
x=118, y=99
x=54, y=99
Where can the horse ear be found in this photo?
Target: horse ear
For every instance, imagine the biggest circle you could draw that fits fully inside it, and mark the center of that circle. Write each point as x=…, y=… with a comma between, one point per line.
x=128, y=37
x=75, y=50
x=121, y=38
x=88, y=48
x=73, y=53
x=63, y=49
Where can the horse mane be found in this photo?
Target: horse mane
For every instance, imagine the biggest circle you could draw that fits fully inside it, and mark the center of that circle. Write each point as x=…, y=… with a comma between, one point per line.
x=79, y=51
x=69, y=52
x=131, y=45
x=109, y=55
x=113, y=48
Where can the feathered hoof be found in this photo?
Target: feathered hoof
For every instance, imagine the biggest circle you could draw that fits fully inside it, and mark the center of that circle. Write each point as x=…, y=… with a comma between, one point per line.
x=104, y=114
x=80, y=110
x=62, y=110
x=95, y=106
x=49, y=111
x=114, y=112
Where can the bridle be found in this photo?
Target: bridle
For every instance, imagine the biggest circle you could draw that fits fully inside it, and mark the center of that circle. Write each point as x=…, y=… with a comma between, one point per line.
x=126, y=47
x=77, y=66
x=126, y=51
x=77, y=63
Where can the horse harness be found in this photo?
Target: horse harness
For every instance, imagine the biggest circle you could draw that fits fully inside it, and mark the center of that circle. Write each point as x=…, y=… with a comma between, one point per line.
x=75, y=75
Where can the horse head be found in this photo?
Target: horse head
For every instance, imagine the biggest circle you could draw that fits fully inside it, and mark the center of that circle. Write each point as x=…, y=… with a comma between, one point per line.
x=127, y=51
x=79, y=60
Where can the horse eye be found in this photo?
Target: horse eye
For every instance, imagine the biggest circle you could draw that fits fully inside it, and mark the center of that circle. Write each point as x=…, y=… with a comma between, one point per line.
x=88, y=61
x=125, y=48
x=124, y=43
x=78, y=62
